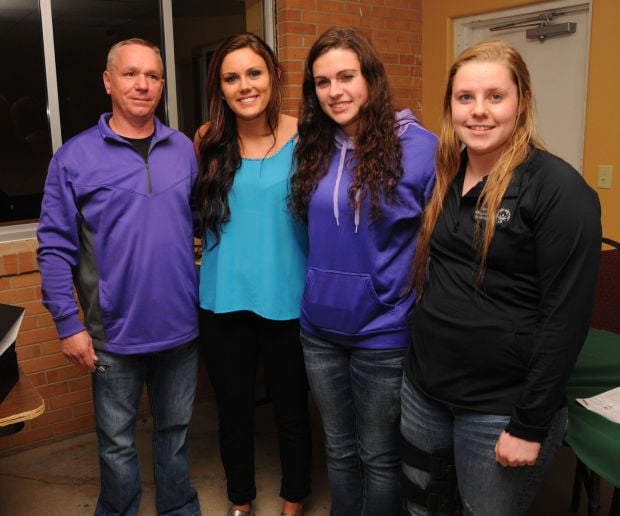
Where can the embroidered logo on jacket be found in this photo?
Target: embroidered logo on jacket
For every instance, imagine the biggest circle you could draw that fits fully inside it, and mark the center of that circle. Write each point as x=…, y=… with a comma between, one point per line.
x=503, y=215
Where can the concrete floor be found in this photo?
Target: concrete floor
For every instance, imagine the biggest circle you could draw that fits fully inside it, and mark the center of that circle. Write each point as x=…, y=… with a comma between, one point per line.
x=62, y=479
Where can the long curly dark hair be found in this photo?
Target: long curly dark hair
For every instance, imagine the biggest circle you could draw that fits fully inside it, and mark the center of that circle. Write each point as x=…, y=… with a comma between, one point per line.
x=377, y=147
x=219, y=152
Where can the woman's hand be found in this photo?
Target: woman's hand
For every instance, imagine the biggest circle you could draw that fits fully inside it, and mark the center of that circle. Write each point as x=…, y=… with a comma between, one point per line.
x=514, y=451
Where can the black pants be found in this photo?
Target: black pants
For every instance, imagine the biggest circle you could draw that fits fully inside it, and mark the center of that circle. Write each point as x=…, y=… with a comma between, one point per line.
x=233, y=343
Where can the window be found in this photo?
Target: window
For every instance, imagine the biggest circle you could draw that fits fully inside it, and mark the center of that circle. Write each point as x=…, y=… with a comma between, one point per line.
x=80, y=32
x=198, y=28
x=25, y=147
x=84, y=31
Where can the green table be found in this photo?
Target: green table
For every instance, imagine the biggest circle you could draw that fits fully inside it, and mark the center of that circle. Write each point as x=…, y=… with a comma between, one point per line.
x=594, y=439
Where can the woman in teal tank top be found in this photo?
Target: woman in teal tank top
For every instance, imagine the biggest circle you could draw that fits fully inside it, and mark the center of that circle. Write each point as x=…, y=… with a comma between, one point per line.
x=253, y=267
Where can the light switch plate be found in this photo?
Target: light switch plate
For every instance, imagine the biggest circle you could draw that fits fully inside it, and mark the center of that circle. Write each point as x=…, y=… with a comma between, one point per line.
x=604, y=176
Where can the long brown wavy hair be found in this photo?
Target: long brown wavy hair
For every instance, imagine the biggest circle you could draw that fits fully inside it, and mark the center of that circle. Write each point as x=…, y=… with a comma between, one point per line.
x=219, y=152
x=377, y=147
x=448, y=155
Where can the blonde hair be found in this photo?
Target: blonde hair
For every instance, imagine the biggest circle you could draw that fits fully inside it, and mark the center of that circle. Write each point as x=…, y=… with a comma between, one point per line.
x=113, y=52
x=448, y=155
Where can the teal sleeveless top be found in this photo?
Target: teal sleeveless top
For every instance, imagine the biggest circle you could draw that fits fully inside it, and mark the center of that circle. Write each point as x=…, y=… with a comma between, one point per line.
x=260, y=263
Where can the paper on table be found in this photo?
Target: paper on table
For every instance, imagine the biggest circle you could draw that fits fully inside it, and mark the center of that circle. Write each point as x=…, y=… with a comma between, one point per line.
x=607, y=404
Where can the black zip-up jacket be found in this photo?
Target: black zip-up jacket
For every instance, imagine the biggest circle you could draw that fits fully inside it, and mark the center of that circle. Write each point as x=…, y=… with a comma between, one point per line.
x=508, y=346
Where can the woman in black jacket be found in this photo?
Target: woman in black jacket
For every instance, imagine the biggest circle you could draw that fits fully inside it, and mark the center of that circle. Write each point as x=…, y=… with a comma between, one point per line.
x=505, y=272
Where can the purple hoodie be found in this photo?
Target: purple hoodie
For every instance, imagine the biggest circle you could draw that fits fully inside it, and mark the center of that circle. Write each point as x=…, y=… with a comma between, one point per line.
x=358, y=270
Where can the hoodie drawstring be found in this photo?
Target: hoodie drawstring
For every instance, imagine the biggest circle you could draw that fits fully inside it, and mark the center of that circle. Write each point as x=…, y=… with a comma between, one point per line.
x=358, y=194
x=404, y=119
x=343, y=155
x=356, y=218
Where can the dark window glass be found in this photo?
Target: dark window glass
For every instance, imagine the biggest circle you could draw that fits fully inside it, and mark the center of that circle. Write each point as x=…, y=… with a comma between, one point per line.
x=199, y=27
x=25, y=147
x=84, y=31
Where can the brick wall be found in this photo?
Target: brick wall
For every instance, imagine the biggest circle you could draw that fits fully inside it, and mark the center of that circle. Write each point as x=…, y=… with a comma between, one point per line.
x=394, y=26
x=64, y=387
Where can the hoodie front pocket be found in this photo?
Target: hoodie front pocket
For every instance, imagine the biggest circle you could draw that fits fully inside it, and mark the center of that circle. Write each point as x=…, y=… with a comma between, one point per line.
x=343, y=302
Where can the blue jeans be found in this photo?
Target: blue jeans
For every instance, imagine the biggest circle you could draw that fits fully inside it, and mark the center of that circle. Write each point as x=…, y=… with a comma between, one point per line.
x=357, y=392
x=486, y=488
x=170, y=378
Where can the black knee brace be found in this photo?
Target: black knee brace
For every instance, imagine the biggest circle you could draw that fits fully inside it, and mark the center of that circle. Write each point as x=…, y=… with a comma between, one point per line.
x=441, y=493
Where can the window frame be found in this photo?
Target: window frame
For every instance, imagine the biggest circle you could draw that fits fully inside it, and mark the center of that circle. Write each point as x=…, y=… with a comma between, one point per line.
x=26, y=231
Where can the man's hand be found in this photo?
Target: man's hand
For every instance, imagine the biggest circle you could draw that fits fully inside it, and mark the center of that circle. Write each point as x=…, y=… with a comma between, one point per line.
x=79, y=349
x=514, y=451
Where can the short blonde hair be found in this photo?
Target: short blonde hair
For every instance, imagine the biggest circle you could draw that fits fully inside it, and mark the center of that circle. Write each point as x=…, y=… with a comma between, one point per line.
x=113, y=52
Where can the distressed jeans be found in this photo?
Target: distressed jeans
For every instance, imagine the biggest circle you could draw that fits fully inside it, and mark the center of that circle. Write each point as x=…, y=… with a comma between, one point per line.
x=486, y=488
x=170, y=378
x=357, y=392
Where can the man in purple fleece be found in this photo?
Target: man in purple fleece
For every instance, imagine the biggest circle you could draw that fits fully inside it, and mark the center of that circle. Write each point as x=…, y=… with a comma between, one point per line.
x=116, y=223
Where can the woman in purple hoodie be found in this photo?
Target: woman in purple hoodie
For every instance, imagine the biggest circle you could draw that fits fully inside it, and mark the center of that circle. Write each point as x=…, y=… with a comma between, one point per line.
x=364, y=175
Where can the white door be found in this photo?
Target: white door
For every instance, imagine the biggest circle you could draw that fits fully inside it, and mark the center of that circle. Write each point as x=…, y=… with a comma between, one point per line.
x=558, y=66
